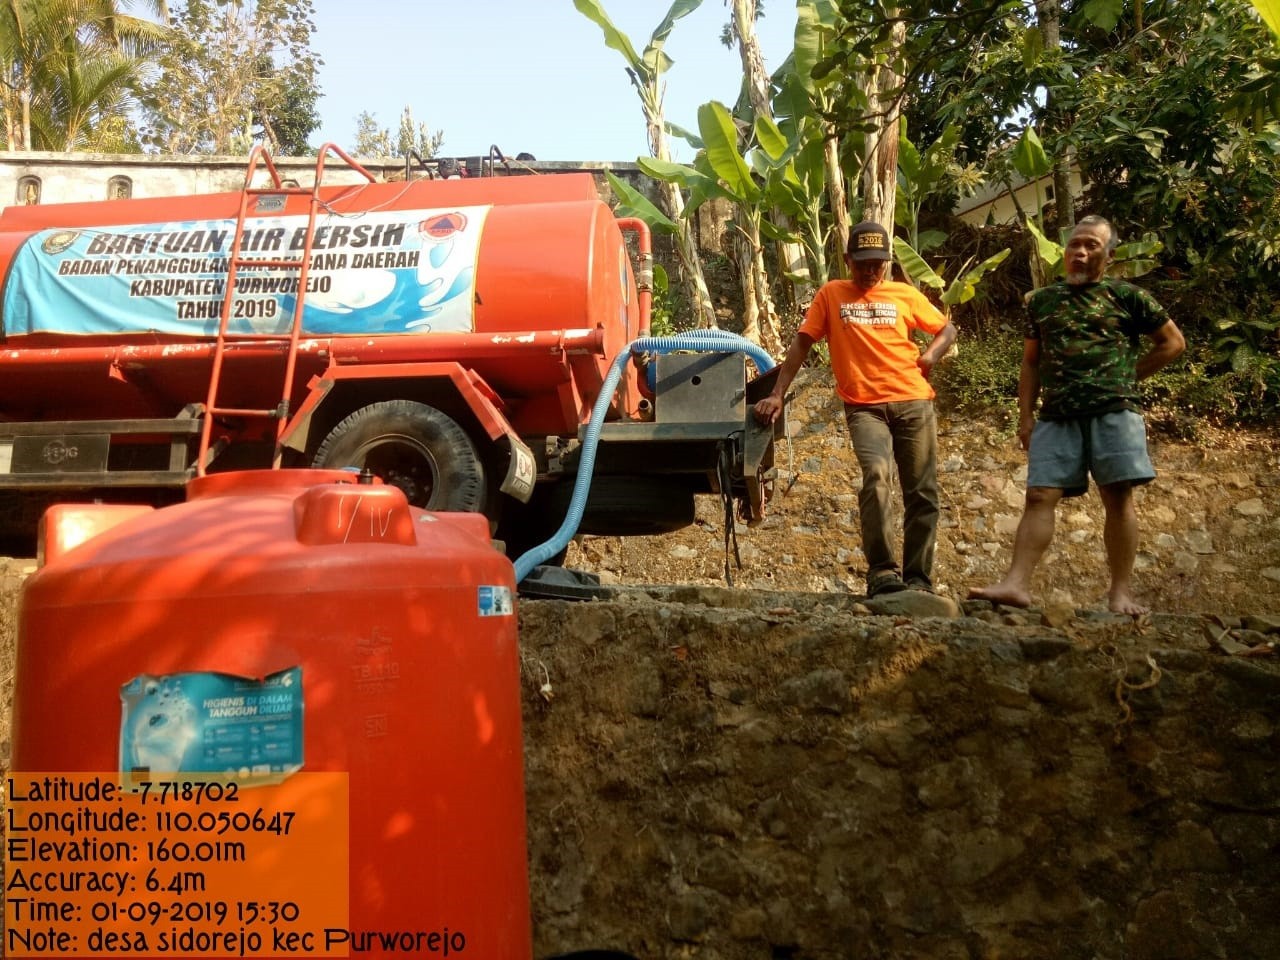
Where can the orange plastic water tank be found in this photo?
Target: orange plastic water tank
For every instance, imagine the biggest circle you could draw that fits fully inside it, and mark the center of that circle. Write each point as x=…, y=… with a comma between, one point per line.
x=400, y=628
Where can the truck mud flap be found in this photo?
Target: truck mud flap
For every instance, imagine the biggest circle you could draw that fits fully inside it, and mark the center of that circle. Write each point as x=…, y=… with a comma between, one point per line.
x=522, y=468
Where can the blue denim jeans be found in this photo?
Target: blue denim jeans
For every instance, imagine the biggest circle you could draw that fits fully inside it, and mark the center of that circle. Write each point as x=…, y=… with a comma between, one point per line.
x=904, y=433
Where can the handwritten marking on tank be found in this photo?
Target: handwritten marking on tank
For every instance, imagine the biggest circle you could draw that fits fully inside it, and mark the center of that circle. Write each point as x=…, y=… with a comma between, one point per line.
x=354, y=511
x=380, y=518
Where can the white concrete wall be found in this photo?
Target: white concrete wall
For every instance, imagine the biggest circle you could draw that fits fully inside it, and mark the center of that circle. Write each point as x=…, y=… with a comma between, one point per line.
x=70, y=178
x=996, y=202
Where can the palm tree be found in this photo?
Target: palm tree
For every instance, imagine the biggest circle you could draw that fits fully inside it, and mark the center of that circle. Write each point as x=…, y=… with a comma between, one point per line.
x=67, y=68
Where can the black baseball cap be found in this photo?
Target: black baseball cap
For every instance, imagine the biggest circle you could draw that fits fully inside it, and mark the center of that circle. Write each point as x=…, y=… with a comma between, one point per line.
x=869, y=241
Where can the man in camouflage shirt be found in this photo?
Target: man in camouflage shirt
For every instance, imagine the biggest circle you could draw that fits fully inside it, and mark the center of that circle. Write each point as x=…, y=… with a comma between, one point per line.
x=1082, y=353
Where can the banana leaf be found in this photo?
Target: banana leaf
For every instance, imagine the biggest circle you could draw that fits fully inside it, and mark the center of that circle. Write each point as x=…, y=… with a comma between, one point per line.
x=964, y=287
x=914, y=265
x=633, y=203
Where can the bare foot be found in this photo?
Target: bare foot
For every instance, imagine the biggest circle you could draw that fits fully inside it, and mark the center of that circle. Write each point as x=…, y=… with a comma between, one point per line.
x=1002, y=593
x=1124, y=603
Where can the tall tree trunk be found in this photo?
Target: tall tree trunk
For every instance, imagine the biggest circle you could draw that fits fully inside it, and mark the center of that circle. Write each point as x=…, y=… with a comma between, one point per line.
x=1064, y=201
x=880, y=169
x=1049, y=21
x=744, y=26
x=759, y=319
x=672, y=201
x=837, y=200
x=26, y=117
x=744, y=261
x=770, y=334
x=790, y=255
x=10, y=117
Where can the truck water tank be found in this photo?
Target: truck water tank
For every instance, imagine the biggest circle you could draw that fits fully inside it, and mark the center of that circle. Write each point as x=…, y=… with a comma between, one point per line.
x=397, y=626
x=103, y=306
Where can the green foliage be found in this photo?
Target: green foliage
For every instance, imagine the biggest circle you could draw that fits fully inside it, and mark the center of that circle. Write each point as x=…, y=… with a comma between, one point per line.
x=375, y=141
x=665, y=307
x=234, y=73
x=1029, y=157
x=922, y=174
x=1270, y=11
x=982, y=375
x=1156, y=137
x=1240, y=339
x=963, y=286
x=633, y=203
x=1199, y=386
x=646, y=69
x=68, y=72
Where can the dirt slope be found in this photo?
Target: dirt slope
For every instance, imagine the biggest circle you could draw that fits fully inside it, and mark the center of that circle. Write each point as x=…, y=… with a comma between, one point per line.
x=1210, y=523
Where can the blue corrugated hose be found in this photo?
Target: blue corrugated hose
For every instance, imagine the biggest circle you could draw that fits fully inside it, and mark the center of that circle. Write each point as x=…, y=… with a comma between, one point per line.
x=704, y=341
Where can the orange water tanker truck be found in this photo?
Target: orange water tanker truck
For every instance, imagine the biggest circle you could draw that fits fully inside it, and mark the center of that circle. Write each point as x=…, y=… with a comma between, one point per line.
x=452, y=337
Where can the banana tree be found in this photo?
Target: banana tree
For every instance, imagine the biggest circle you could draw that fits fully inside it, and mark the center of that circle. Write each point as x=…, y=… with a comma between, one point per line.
x=963, y=286
x=1032, y=164
x=817, y=25
x=721, y=158
x=754, y=106
x=788, y=160
x=919, y=174
x=1270, y=11
x=646, y=72
x=720, y=171
x=792, y=170
x=1257, y=101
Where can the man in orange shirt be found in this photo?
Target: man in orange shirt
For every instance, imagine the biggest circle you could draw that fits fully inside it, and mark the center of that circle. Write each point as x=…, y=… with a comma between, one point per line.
x=883, y=379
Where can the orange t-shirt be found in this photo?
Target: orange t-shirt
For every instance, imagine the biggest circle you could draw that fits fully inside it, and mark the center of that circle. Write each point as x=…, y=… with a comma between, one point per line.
x=872, y=354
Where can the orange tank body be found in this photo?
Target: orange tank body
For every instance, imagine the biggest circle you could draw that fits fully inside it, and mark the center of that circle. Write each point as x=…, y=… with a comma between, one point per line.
x=402, y=628
x=109, y=308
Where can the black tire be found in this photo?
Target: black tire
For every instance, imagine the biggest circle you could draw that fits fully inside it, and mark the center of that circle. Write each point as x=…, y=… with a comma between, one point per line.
x=414, y=447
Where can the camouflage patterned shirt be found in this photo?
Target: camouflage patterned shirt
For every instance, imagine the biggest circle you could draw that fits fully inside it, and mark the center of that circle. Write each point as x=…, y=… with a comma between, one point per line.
x=1090, y=344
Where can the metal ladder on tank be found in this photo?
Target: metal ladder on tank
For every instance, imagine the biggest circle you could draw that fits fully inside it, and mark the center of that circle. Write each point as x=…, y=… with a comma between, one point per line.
x=287, y=342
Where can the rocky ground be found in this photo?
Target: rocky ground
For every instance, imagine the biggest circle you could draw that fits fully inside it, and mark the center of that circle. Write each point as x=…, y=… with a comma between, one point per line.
x=1210, y=523
x=753, y=775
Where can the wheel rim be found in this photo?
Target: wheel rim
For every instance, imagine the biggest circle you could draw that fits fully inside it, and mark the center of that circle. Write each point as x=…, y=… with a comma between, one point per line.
x=401, y=462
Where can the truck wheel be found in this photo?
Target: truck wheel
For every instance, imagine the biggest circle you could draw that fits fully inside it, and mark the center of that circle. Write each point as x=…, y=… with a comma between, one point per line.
x=414, y=447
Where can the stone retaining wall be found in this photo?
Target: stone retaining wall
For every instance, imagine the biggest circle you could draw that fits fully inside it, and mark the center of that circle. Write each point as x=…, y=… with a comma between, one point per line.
x=723, y=774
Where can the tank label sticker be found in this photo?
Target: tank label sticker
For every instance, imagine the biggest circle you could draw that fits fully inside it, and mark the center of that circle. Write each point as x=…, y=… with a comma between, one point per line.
x=400, y=271
x=212, y=723
x=495, y=601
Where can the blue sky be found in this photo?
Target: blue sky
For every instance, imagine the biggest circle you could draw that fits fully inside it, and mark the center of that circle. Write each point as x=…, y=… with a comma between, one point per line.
x=526, y=75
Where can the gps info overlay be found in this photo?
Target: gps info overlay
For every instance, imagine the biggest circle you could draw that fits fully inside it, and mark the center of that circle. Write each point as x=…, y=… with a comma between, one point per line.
x=179, y=867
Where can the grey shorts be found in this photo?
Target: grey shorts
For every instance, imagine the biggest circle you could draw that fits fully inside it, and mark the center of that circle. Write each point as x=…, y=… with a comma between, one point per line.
x=1112, y=447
